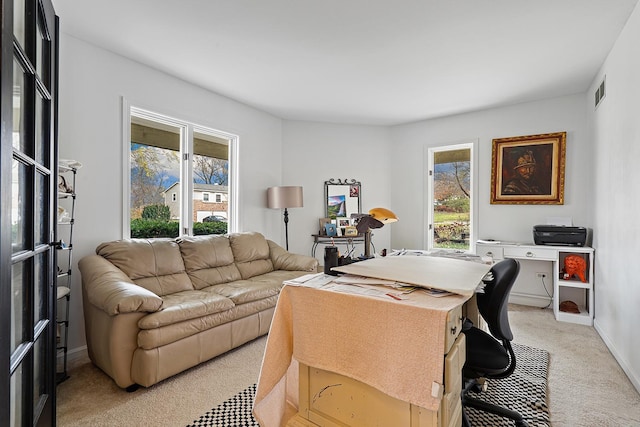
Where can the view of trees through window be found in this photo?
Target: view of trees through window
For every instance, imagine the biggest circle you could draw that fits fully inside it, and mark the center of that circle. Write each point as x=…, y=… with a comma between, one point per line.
x=159, y=170
x=451, y=225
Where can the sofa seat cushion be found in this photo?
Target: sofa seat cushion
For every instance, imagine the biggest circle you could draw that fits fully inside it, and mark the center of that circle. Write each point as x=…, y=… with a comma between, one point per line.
x=154, y=264
x=251, y=254
x=208, y=260
x=256, y=288
x=152, y=338
x=186, y=305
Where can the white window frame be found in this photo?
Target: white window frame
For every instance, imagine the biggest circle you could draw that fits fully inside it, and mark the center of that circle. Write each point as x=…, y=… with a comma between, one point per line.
x=205, y=197
x=429, y=154
x=187, y=130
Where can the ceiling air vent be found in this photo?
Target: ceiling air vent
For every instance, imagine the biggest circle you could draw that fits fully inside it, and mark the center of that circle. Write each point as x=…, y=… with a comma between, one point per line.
x=600, y=92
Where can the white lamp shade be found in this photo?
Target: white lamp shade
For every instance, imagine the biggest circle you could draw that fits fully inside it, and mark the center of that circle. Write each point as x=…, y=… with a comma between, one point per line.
x=284, y=197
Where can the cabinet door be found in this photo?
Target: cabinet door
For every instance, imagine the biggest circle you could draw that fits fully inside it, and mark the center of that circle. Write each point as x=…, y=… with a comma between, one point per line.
x=27, y=169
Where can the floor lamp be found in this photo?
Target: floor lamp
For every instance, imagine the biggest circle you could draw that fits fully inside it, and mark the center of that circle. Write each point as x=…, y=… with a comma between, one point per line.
x=284, y=198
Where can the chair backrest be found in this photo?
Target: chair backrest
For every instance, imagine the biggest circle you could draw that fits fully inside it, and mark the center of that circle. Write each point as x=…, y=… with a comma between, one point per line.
x=493, y=303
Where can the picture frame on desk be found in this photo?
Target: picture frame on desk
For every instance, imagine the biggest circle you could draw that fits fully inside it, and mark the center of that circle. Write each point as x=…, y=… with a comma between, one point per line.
x=331, y=230
x=528, y=170
x=343, y=222
x=351, y=231
x=334, y=221
x=322, y=222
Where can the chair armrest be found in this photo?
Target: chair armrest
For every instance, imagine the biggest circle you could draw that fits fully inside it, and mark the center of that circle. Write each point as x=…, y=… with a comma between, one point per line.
x=284, y=260
x=111, y=290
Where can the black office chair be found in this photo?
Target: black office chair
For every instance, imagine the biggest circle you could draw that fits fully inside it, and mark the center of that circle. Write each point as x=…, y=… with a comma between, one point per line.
x=491, y=355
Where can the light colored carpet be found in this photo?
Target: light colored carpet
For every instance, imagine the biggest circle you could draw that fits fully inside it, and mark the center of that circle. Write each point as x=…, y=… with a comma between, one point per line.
x=91, y=398
x=587, y=388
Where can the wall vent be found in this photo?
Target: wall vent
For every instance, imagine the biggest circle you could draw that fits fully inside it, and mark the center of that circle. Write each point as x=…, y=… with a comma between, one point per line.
x=600, y=91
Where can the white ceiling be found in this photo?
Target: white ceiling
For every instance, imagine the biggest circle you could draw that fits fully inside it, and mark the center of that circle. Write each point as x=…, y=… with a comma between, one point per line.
x=361, y=61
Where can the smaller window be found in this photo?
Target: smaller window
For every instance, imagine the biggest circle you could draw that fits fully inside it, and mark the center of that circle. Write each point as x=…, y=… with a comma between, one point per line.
x=450, y=197
x=174, y=197
x=205, y=197
x=218, y=198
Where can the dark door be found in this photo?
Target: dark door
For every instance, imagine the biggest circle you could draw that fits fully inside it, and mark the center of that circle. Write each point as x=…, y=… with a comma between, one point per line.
x=27, y=187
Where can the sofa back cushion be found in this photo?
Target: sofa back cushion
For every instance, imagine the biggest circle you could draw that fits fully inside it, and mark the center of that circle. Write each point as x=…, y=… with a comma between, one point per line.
x=154, y=264
x=251, y=254
x=208, y=260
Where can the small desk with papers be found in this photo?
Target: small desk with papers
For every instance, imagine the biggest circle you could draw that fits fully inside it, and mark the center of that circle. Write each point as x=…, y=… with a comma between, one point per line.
x=389, y=354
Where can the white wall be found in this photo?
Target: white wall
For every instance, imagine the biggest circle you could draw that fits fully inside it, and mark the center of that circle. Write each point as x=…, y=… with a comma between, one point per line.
x=314, y=153
x=615, y=201
x=92, y=82
x=501, y=222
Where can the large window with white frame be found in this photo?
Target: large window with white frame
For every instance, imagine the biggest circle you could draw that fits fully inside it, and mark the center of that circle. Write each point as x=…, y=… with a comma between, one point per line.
x=450, y=211
x=173, y=167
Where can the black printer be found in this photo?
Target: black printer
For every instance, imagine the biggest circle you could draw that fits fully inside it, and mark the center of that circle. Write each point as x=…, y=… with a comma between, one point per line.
x=561, y=235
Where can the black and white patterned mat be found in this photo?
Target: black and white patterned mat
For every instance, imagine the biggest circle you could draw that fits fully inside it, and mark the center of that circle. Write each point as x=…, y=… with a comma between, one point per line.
x=235, y=412
x=525, y=391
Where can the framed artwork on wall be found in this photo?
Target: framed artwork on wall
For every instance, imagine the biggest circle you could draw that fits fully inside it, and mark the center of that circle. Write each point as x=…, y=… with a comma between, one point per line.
x=342, y=197
x=336, y=206
x=528, y=170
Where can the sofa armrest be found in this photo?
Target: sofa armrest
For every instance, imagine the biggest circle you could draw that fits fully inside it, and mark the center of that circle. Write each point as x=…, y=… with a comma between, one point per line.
x=284, y=260
x=111, y=290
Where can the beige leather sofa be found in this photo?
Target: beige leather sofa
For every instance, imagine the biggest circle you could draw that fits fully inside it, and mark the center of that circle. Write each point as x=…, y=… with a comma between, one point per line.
x=155, y=307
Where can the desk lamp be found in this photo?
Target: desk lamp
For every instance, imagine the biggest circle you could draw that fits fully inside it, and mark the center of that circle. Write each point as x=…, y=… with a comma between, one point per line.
x=285, y=197
x=376, y=218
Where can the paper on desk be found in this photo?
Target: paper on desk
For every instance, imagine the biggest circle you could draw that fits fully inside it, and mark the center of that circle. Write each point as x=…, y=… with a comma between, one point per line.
x=358, y=285
x=302, y=279
x=399, y=288
x=403, y=252
x=317, y=280
x=363, y=280
x=452, y=275
x=371, y=291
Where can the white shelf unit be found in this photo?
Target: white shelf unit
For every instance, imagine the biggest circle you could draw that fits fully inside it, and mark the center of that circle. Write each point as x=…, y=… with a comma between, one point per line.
x=573, y=289
x=64, y=259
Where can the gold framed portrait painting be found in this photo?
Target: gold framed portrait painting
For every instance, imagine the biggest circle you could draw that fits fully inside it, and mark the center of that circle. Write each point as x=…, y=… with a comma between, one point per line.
x=528, y=170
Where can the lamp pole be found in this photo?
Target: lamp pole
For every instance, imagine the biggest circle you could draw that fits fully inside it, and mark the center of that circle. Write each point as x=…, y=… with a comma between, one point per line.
x=286, y=228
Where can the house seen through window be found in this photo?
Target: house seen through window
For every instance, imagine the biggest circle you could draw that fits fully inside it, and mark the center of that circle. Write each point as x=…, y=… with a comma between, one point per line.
x=168, y=160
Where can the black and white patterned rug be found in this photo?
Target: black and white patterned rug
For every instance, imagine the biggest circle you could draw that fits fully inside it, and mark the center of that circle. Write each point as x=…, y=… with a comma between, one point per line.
x=525, y=391
x=235, y=412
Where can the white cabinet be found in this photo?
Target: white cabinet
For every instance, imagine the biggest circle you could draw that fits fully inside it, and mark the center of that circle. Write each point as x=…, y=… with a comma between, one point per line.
x=572, y=275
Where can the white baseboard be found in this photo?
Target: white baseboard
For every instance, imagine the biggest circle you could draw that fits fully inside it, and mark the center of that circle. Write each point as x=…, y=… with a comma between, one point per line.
x=529, y=299
x=616, y=355
x=75, y=355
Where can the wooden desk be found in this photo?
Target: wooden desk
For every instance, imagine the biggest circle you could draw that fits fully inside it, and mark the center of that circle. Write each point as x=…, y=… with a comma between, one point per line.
x=396, y=348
